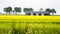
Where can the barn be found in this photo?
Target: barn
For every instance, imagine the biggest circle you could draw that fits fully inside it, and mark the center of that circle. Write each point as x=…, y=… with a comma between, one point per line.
x=40, y=13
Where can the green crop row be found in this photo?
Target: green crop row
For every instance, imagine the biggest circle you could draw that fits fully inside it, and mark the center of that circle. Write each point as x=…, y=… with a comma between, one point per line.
x=29, y=27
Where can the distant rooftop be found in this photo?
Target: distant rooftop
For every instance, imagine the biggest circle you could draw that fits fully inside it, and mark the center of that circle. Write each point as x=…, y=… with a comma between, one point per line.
x=37, y=12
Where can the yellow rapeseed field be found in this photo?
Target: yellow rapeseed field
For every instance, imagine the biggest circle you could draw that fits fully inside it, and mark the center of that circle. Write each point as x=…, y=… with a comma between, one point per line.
x=29, y=24
x=29, y=17
x=44, y=18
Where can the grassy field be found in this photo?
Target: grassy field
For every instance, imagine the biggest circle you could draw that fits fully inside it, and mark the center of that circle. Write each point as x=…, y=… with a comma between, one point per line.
x=29, y=24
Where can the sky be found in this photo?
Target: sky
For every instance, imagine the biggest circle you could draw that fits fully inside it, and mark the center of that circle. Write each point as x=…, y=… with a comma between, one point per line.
x=35, y=4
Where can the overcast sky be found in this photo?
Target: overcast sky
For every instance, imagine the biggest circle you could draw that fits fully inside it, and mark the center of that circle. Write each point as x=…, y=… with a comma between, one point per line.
x=35, y=4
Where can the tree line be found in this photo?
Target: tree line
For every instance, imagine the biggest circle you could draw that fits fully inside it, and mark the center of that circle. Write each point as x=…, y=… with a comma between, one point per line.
x=18, y=10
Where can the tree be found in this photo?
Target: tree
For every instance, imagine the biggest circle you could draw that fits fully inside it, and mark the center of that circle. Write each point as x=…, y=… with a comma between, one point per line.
x=48, y=10
x=28, y=9
x=53, y=11
x=17, y=9
x=8, y=9
x=41, y=9
x=5, y=10
x=25, y=9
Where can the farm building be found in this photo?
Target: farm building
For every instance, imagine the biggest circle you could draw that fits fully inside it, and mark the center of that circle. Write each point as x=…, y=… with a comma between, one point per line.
x=41, y=13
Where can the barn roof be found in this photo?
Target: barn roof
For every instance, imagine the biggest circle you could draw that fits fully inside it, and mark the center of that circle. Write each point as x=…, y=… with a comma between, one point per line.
x=37, y=12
